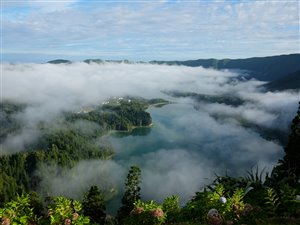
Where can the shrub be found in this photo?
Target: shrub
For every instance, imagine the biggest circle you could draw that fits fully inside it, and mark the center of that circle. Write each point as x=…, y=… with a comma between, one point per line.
x=171, y=208
x=149, y=213
x=18, y=212
x=66, y=211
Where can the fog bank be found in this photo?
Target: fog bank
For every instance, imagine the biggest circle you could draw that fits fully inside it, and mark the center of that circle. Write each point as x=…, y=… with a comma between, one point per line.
x=216, y=132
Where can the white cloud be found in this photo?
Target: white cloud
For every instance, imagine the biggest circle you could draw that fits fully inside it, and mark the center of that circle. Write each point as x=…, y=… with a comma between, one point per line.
x=50, y=89
x=214, y=144
x=174, y=172
x=107, y=175
x=206, y=27
x=50, y=6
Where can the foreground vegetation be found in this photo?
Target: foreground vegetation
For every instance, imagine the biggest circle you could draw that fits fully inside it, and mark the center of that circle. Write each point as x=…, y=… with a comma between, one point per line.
x=253, y=199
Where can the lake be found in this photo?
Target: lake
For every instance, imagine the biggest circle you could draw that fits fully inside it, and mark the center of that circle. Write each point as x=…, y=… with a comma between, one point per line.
x=186, y=147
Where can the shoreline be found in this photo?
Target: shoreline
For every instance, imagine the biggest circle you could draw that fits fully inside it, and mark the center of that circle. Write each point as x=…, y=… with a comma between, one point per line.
x=129, y=130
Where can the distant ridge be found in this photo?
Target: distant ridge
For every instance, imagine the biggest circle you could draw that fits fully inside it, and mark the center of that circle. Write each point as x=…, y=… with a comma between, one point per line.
x=59, y=61
x=290, y=81
x=268, y=68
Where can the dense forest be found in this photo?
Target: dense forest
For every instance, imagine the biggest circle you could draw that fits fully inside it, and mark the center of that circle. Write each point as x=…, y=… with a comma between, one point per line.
x=64, y=144
x=252, y=199
x=262, y=68
x=290, y=81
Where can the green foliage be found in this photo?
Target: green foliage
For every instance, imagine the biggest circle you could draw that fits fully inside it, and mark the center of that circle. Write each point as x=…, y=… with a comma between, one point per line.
x=288, y=170
x=8, y=123
x=132, y=192
x=60, y=211
x=197, y=208
x=255, y=178
x=66, y=211
x=171, y=208
x=247, y=199
x=18, y=170
x=234, y=206
x=68, y=146
x=93, y=205
x=272, y=201
x=229, y=207
x=288, y=205
x=63, y=146
x=148, y=213
x=117, y=115
x=249, y=205
x=292, y=153
x=8, y=188
x=64, y=143
x=221, y=99
x=37, y=204
x=281, y=201
x=18, y=212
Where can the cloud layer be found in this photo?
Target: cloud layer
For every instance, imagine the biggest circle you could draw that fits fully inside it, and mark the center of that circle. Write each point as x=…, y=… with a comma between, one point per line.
x=195, y=139
x=149, y=30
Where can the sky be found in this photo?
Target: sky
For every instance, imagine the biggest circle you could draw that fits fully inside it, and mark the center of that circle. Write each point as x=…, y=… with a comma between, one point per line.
x=38, y=31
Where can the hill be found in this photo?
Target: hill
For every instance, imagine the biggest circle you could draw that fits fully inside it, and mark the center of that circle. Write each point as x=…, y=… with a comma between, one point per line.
x=59, y=61
x=262, y=68
x=270, y=68
x=290, y=81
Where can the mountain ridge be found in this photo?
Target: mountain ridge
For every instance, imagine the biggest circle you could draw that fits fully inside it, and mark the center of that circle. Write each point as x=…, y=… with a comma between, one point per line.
x=287, y=82
x=269, y=68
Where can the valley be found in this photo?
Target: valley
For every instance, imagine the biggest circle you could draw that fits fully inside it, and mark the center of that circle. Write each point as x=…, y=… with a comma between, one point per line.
x=184, y=127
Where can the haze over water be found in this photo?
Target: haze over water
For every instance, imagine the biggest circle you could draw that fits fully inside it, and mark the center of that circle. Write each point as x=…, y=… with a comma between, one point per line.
x=189, y=140
x=178, y=154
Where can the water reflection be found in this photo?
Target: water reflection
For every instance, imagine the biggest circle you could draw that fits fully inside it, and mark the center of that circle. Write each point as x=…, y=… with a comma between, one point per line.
x=139, y=131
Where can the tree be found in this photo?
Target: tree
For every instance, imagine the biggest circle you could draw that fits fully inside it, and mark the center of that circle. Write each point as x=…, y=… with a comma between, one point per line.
x=93, y=205
x=132, y=193
x=289, y=168
x=292, y=150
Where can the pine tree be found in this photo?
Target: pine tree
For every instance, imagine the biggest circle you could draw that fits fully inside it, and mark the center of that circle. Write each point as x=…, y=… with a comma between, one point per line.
x=93, y=205
x=288, y=170
x=292, y=150
x=132, y=193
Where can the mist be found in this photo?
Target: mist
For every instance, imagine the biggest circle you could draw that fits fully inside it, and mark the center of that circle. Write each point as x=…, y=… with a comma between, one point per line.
x=50, y=89
x=73, y=183
x=218, y=140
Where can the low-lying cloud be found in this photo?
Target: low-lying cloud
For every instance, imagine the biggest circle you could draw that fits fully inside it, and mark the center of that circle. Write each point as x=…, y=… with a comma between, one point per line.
x=50, y=89
x=107, y=175
x=202, y=138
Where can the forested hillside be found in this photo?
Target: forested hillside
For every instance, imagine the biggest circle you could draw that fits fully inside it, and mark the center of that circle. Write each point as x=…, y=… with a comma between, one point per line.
x=290, y=81
x=261, y=68
x=65, y=143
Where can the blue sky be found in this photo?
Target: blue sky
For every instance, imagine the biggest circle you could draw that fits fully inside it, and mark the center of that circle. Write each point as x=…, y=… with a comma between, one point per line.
x=37, y=31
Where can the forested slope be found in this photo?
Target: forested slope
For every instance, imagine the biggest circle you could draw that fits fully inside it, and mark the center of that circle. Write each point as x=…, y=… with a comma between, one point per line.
x=262, y=68
x=63, y=144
